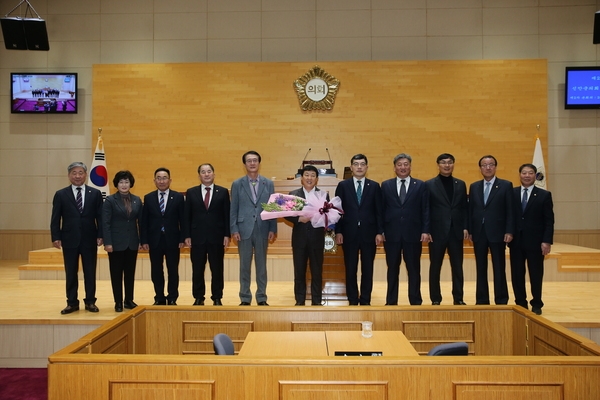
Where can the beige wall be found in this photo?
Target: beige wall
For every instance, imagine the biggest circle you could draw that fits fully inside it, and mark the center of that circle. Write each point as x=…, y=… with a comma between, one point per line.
x=34, y=150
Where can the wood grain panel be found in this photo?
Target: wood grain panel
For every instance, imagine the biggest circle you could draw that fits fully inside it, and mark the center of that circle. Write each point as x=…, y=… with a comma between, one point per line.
x=327, y=326
x=333, y=390
x=124, y=390
x=181, y=115
x=470, y=391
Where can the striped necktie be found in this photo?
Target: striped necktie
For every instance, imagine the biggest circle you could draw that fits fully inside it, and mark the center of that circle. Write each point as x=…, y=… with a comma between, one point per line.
x=79, y=200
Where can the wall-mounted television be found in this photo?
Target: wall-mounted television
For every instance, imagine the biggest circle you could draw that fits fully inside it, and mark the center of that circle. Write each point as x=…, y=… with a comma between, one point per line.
x=43, y=93
x=582, y=88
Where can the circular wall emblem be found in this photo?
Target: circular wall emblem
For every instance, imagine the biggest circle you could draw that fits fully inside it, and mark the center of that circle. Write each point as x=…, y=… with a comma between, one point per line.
x=316, y=90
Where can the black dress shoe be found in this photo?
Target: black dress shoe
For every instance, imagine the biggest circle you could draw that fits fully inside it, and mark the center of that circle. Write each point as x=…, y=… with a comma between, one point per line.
x=435, y=303
x=217, y=302
x=299, y=304
x=160, y=303
x=536, y=310
x=199, y=302
x=172, y=302
x=129, y=304
x=244, y=303
x=316, y=304
x=119, y=307
x=460, y=303
x=353, y=304
x=91, y=308
x=262, y=303
x=69, y=309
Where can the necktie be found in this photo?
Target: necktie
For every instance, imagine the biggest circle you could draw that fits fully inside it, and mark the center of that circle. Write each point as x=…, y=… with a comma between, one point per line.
x=486, y=192
x=402, y=191
x=359, y=191
x=207, y=198
x=524, y=199
x=79, y=200
x=161, y=203
x=254, y=193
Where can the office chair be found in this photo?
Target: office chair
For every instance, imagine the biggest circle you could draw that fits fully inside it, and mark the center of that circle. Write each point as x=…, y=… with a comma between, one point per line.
x=223, y=345
x=450, y=349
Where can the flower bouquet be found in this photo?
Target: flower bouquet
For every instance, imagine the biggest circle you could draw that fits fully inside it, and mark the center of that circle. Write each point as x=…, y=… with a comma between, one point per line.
x=321, y=212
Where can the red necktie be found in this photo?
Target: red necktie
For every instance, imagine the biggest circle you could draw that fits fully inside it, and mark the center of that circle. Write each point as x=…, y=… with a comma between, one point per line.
x=207, y=198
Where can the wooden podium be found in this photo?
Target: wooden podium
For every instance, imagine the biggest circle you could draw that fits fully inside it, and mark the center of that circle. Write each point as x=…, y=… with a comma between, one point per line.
x=334, y=272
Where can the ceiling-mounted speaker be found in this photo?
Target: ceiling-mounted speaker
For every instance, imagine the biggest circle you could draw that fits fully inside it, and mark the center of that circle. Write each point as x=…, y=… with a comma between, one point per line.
x=25, y=34
x=13, y=31
x=597, y=27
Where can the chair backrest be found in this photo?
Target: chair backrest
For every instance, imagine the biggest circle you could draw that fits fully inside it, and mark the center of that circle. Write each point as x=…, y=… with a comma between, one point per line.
x=450, y=349
x=223, y=345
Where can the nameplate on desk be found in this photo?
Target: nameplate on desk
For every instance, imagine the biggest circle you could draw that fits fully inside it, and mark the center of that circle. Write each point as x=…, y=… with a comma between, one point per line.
x=359, y=353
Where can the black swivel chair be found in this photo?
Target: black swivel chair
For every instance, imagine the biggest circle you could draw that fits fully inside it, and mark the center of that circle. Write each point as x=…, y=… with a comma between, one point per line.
x=223, y=345
x=450, y=349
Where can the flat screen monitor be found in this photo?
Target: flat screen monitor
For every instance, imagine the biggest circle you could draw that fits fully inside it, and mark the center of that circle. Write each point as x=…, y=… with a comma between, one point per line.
x=43, y=93
x=582, y=88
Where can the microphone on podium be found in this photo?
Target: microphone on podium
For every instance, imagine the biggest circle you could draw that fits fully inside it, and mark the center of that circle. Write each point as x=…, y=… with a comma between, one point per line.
x=306, y=155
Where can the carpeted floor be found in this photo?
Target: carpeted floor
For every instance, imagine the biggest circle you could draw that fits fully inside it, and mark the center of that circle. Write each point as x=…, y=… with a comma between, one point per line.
x=23, y=384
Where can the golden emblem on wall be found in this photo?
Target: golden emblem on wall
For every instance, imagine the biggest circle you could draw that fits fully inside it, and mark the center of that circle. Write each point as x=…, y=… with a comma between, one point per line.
x=316, y=89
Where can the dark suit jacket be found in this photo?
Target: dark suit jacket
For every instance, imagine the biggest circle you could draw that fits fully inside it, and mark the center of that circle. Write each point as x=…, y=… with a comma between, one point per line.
x=121, y=231
x=207, y=226
x=535, y=225
x=303, y=232
x=152, y=220
x=498, y=212
x=449, y=217
x=368, y=213
x=405, y=222
x=70, y=226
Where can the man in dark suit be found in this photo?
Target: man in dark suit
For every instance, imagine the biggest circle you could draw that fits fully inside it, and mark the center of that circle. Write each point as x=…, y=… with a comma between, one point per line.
x=406, y=227
x=534, y=231
x=307, y=244
x=491, y=226
x=361, y=228
x=207, y=234
x=161, y=233
x=251, y=233
x=449, y=228
x=76, y=227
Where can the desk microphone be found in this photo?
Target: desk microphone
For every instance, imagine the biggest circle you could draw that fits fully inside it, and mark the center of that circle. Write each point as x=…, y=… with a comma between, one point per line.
x=327, y=150
x=306, y=155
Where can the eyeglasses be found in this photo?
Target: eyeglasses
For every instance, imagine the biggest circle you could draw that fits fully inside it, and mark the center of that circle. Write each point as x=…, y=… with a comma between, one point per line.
x=162, y=178
x=359, y=164
x=251, y=160
x=446, y=162
x=488, y=166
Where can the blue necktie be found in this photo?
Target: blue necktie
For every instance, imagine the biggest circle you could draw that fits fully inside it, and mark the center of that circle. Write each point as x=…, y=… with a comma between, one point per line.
x=486, y=192
x=524, y=199
x=359, y=191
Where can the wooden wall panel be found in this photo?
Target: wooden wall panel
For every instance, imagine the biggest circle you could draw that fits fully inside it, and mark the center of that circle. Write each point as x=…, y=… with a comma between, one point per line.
x=181, y=115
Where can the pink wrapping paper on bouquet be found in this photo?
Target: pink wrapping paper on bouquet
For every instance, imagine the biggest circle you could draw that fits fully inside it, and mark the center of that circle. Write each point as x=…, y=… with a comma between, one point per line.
x=283, y=205
x=323, y=213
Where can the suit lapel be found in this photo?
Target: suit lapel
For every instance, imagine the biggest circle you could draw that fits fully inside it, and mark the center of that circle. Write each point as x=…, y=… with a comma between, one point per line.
x=440, y=188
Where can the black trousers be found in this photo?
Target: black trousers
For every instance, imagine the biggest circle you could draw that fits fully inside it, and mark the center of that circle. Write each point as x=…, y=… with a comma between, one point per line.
x=367, y=257
x=535, y=265
x=482, y=291
x=394, y=252
x=122, y=273
x=171, y=256
x=89, y=257
x=437, y=250
x=311, y=253
x=214, y=253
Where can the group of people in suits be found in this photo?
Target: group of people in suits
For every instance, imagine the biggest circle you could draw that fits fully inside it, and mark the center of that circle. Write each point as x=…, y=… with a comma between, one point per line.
x=405, y=212
x=401, y=214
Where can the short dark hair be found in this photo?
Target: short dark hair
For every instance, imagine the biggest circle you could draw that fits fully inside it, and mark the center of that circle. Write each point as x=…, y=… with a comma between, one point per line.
x=533, y=167
x=488, y=156
x=401, y=156
x=248, y=153
x=162, y=169
x=310, y=168
x=443, y=156
x=359, y=156
x=123, y=175
x=209, y=164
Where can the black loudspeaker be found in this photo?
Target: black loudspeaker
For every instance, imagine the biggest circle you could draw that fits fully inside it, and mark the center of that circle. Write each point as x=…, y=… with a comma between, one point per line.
x=24, y=34
x=13, y=31
x=597, y=27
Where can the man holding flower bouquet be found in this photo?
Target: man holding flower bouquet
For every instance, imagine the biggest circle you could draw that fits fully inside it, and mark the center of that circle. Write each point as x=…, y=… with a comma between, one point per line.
x=307, y=243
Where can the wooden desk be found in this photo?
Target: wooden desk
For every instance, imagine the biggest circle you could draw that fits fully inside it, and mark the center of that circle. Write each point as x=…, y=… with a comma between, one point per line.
x=322, y=344
x=284, y=344
x=390, y=343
